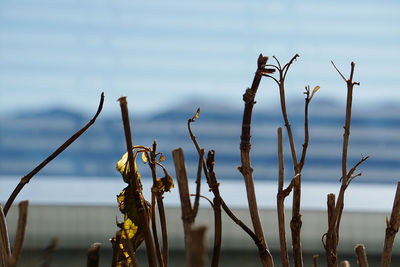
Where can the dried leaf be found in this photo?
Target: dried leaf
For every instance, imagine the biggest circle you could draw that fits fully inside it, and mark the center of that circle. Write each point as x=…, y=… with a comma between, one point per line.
x=315, y=90
x=130, y=229
x=123, y=167
x=162, y=158
x=144, y=157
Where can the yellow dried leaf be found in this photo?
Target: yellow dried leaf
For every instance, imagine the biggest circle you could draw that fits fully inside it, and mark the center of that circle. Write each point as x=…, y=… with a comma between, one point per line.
x=314, y=91
x=122, y=163
x=144, y=157
x=162, y=158
x=129, y=228
x=123, y=167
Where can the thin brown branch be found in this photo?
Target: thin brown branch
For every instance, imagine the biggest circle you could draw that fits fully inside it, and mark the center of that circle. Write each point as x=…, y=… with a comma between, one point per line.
x=217, y=209
x=392, y=227
x=208, y=168
x=339, y=71
x=330, y=236
x=346, y=134
x=361, y=256
x=296, y=222
x=242, y=225
x=20, y=235
x=155, y=193
x=287, y=66
x=335, y=214
x=198, y=253
x=306, y=131
x=352, y=170
x=340, y=201
x=154, y=230
x=28, y=177
x=186, y=206
x=93, y=258
x=134, y=183
x=205, y=198
x=280, y=204
x=198, y=183
x=4, y=241
x=246, y=169
x=164, y=233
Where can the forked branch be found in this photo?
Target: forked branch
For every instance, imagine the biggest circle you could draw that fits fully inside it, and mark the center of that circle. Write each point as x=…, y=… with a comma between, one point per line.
x=335, y=212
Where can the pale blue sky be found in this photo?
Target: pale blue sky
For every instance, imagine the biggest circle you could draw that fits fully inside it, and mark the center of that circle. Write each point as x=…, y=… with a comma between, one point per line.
x=164, y=53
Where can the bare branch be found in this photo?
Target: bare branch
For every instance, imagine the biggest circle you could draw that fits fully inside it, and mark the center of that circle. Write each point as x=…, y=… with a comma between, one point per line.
x=352, y=170
x=306, y=134
x=20, y=235
x=296, y=222
x=134, y=183
x=198, y=183
x=186, y=206
x=338, y=71
x=392, y=227
x=280, y=203
x=287, y=66
x=330, y=236
x=4, y=241
x=156, y=194
x=246, y=169
x=28, y=177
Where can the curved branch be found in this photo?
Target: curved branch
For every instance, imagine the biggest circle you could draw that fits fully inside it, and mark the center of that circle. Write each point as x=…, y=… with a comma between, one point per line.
x=287, y=66
x=28, y=177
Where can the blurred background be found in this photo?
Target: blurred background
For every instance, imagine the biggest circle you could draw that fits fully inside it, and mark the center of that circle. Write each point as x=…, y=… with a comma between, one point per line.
x=171, y=57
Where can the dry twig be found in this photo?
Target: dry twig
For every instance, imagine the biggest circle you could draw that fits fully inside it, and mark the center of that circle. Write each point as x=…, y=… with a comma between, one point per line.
x=335, y=212
x=246, y=169
x=28, y=177
x=186, y=206
x=4, y=240
x=296, y=222
x=280, y=203
x=20, y=235
x=208, y=168
x=157, y=194
x=134, y=183
x=392, y=227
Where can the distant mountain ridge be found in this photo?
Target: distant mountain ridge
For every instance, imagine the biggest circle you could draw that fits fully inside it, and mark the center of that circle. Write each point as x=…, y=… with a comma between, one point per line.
x=27, y=138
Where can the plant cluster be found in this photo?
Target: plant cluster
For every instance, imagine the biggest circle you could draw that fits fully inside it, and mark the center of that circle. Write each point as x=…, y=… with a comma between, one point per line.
x=139, y=215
